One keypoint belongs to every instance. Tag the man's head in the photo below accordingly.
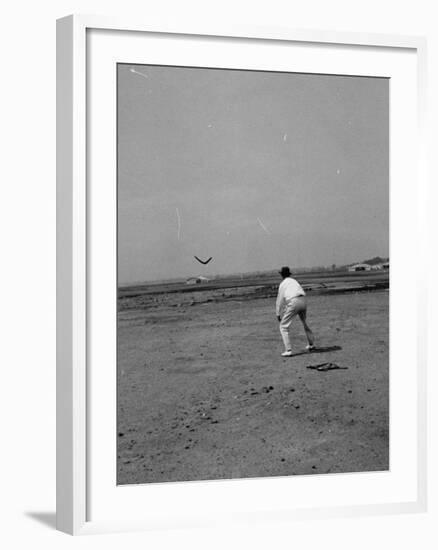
(285, 272)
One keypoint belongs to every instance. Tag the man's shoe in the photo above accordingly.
(310, 347)
(287, 353)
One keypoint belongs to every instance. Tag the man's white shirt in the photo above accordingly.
(289, 288)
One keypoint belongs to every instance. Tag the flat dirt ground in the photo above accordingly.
(203, 392)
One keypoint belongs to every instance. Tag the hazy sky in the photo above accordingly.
(256, 169)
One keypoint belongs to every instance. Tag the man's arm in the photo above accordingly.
(279, 302)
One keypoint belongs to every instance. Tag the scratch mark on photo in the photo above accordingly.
(139, 73)
(263, 226)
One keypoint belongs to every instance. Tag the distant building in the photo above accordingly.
(197, 280)
(359, 267)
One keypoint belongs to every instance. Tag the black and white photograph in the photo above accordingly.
(253, 274)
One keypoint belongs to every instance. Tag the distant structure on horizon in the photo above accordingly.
(369, 267)
(197, 280)
(360, 267)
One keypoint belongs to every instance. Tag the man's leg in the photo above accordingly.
(309, 334)
(285, 324)
(284, 331)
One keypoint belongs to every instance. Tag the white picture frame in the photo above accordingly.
(74, 215)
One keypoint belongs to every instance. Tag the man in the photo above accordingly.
(291, 301)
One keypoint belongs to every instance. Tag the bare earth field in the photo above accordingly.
(203, 392)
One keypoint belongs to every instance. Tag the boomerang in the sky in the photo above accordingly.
(206, 261)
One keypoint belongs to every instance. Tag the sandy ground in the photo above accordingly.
(203, 392)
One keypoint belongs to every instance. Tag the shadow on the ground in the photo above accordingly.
(317, 350)
(46, 518)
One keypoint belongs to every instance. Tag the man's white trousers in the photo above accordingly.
(293, 307)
